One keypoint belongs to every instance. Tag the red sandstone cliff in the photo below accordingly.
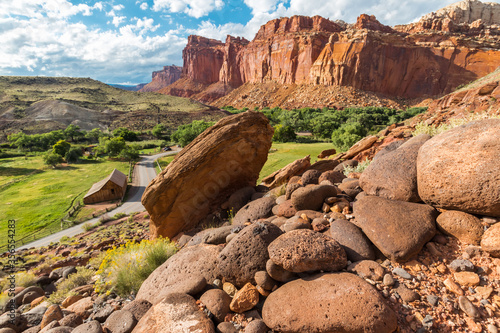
(428, 58)
(163, 78)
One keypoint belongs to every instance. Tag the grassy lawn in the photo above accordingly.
(164, 161)
(282, 154)
(38, 196)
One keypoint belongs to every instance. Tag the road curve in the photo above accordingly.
(145, 171)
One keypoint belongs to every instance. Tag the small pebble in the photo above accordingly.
(492, 328)
(402, 273)
(218, 283)
(388, 280)
(467, 307)
(462, 265)
(432, 299)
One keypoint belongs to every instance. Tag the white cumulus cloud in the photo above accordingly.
(194, 8)
(144, 6)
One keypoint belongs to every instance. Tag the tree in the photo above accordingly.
(187, 133)
(61, 147)
(125, 133)
(159, 131)
(347, 135)
(72, 133)
(130, 153)
(95, 134)
(52, 159)
(114, 146)
(284, 134)
(73, 155)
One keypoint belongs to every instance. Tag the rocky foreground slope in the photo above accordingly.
(453, 46)
(412, 244)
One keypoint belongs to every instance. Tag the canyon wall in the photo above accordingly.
(163, 78)
(427, 58)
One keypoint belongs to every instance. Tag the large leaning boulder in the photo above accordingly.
(330, 302)
(458, 169)
(394, 175)
(226, 157)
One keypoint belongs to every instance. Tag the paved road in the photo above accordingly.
(145, 171)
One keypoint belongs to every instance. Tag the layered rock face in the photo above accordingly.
(163, 78)
(413, 60)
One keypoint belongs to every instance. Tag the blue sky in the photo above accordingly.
(123, 41)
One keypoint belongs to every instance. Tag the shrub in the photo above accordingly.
(61, 147)
(119, 216)
(23, 279)
(52, 159)
(73, 155)
(423, 128)
(284, 133)
(82, 277)
(359, 168)
(123, 269)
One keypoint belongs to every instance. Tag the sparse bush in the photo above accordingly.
(119, 216)
(359, 168)
(23, 279)
(90, 226)
(82, 277)
(123, 269)
(423, 128)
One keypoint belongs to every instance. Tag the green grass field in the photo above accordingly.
(280, 155)
(37, 196)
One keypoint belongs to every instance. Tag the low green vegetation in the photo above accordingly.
(187, 133)
(82, 277)
(357, 169)
(123, 269)
(282, 154)
(342, 127)
(423, 128)
(38, 197)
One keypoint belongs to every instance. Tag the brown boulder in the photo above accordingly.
(121, 321)
(247, 253)
(367, 269)
(359, 146)
(217, 302)
(71, 320)
(324, 165)
(458, 169)
(180, 271)
(305, 250)
(356, 246)
(90, 327)
(467, 228)
(399, 229)
(226, 157)
(245, 299)
(491, 240)
(310, 177)
(332, 176)
(394, 175)
(138, 307)
(334, 302)
(282, 176)
(286, 209)
(19, 323)
(327, 152)
(255, 210)
(82, 307)
(312, 197)
(54, 312)
(175, 313)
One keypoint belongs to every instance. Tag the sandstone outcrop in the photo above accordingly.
(228, 156)
(413, 60)
(163, 78)
(473, 152)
